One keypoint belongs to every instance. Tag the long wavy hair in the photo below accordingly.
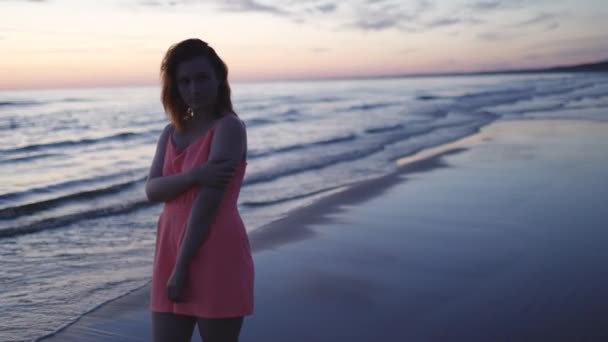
(175, 108)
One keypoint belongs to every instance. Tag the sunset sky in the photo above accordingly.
(77, 43)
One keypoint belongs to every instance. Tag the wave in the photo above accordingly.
(286, 115)
(254, 204)
(10, 125)
(539, 108)
(255, 107)
(595, 92)
(32, 208)
(563, 89)
(61, 221)
(65, 143)
(492, 98)
(338, 157)
(472, 101)
(383, 129)
(283, 98)
(328, 99)
(75, 99)
(13, 196)
(257, 122)
(370, 106)
(329, 157)
(550, 103)
(292, 99)
(428, 97)
(291, 148)
(290, 112)
(30, 158)
(19, 103)
(349, 137)
(91, 310)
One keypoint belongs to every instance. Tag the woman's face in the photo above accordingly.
(197, 83)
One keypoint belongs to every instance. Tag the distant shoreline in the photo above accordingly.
(587, 67)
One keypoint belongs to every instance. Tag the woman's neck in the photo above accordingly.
(202, 118)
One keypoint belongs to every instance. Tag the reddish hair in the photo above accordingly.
(170, 97)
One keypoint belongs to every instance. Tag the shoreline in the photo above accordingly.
(272, 235)
(303, 222)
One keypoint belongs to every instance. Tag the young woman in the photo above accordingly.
(203, 270)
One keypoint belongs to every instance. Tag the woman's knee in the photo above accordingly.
(220, 329)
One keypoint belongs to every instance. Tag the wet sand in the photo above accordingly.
(501, 237)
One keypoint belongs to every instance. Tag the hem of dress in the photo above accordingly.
(204, 315)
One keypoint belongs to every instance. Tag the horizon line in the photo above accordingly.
(602, 64)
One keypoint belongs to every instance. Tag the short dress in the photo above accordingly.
(220, 279)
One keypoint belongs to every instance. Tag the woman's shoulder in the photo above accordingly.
(229, 121)
(168, 128)
(166, 133)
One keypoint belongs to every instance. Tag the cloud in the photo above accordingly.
(443, 22)
(364, 15)
(326, 8)
(537, 19)
(150, 3)
(552, 26)
(383, 15)
(84, 50)
(250, 6)
(451, 21)
(377, 23)
(168, 3)
(485, 5)
(493, 36)
(495, 5)
(91, 34)
(378, 15)
(547, 21)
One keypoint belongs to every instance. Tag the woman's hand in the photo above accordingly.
(215, 174)
(176, 284)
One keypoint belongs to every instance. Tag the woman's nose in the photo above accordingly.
(195, 88)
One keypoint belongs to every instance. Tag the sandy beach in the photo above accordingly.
(500, 237)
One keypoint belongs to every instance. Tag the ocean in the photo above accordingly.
(76, 230)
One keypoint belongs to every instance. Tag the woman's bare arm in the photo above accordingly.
(163, 189)
(229, 143)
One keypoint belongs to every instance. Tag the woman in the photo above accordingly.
(203, 270)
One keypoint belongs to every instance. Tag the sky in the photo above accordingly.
(88, 43)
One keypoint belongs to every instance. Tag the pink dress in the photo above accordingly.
(221, 275)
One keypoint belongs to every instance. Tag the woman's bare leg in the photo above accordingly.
(220, 329)
(170, 327)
